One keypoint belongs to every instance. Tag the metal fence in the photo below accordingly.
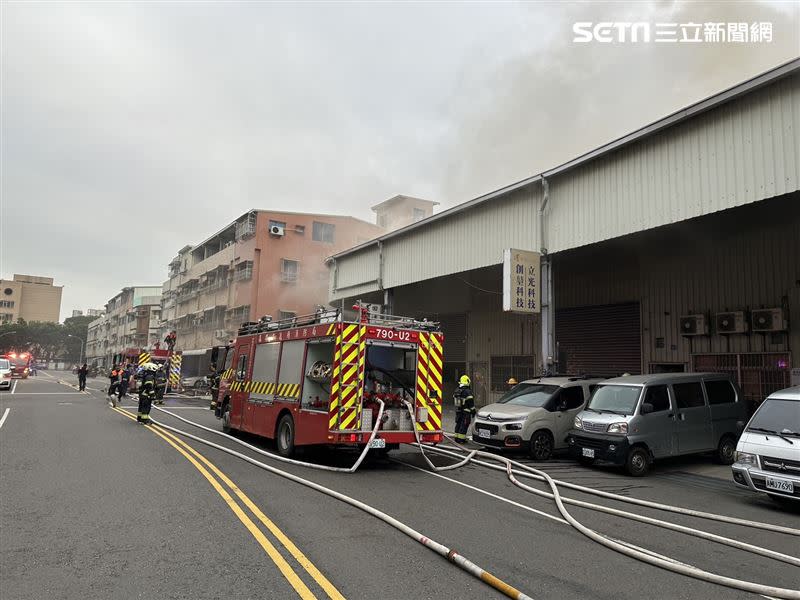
(757, 373)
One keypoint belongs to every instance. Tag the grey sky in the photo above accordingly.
(130, 130)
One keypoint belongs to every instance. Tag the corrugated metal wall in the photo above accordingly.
(741, 152)
(469, 240)
(740, 259)
(355, 274)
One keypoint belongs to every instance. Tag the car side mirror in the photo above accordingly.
(647, 408)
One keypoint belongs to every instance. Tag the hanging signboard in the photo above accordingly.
(521, 287)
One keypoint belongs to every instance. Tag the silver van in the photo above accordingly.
(635, 420)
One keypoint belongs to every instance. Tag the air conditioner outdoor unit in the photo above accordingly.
(768, 319)
(731, 322)
(276, 230)
(694, 325)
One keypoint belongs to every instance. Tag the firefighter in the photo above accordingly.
(113, 385)
(160, 385)
(147, 391)
(465, 408)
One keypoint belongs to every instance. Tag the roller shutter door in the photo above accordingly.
(599, 340)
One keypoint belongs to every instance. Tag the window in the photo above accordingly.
(289, 269)
(505, 367)
(6, 304)
(323, 232)
(244, 271)
(658, 396)
(241, 369)
(620, 399)
(688, 395)
(720, 392)
(8, 291)
(5, 318)
(286, 314)
(419, 214)
(571, 397)
(533, 395)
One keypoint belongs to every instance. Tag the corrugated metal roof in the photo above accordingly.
(679, 116)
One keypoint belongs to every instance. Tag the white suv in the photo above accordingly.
(535, 415)
(768, 453)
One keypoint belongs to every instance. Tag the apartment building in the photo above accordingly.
(131, 320)
(30, 298)
(263, 263)
(399, 211)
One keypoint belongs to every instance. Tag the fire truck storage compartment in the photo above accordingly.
(265, 368)
(317, 386)
(291, 368)
(391, 377)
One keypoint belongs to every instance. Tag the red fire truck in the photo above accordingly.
(316, 380)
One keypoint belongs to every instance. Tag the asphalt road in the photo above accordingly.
(96, 506)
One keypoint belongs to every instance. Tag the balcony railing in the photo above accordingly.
(243, 274)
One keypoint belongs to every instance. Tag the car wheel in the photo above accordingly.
(541, 445)
(284, 436)
(638, 462)
(726, 451)
(226, 419)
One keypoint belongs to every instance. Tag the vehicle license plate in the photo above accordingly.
(484, 433)
(378, 443)
(588, 452)
(781, 485)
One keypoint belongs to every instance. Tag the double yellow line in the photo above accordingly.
(285, 568)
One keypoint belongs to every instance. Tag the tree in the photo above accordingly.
(46, 341)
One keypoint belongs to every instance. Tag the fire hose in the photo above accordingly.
(641, 554)
(450, 554)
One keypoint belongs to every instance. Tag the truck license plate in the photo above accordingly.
(780, 485)
(484, 433)
(587, 452)
(378, 443)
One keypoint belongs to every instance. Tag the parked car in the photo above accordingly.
(198, 382)
(768, 453)
(634, 420)
(535, 414)
(5, 373)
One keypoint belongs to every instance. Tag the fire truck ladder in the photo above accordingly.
(350, 378)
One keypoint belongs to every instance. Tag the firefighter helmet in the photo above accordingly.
(512, 381)
(150, 366)
(465, 380)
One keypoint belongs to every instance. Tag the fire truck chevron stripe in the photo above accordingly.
(331, 328)
(175, 369)
(143, 358)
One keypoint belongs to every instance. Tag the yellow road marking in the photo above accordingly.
(287, 571)
(268, 523)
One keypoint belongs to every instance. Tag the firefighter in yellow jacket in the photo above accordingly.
(465, 408)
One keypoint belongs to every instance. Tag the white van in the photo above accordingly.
(768, 453)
